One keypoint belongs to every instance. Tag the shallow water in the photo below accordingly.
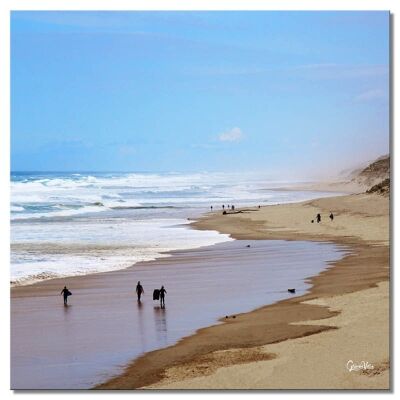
(104, 327)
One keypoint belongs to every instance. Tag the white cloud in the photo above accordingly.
(233, 135)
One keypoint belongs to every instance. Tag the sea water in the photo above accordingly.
(66, 224)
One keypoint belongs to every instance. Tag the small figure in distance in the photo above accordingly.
(162, 296)
(223, 206)
(331, 216)
(318, 218)
(232, 207)
(139, 291)
(211, 208)
(259, 206)
(65, 292)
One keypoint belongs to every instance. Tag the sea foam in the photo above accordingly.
(65, 224)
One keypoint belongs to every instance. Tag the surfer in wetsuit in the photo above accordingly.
(139, 291)
(65, 292)
(162, 296)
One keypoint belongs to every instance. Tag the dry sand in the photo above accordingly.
(303, 342)
(315, 362)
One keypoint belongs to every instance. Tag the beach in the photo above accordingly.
(339, 268)
(199, 199)
(308, 342)
(104, 327)
(99, 234)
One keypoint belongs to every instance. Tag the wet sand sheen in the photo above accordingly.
(104, 328)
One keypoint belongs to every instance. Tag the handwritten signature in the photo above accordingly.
(363, 365)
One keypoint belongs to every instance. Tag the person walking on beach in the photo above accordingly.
(162, 296)
(139, 291)
(65, 292)
(318, 218)
(331, 216)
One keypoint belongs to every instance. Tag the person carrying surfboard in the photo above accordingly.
(65, 292)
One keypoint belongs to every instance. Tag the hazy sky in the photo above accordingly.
(297, 92)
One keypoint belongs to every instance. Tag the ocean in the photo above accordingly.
(67, 224)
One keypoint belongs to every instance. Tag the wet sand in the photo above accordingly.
(104, 328)
(285, 344)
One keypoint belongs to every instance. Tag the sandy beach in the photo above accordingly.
(307, 342)
(237, 160)
(336, 315)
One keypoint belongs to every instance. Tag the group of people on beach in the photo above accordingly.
(157, 294)
(319, 219)
(139, 291)
(229, 207)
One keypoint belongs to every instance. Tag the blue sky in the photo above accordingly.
(287, 92)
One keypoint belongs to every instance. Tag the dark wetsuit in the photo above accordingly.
(65, 293)
(139, 291)
(162, 297)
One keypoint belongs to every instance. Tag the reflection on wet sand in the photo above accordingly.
(160, 323)
(141, 331)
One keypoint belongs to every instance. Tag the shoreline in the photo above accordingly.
(219, 347)
(104, 327)
(115, 255)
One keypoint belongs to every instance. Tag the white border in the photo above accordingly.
(326, 5)
(6, 6)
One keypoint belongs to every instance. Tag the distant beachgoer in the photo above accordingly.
(65, 292)
(331, 216)
(223, 206)
(139, 290)
(318, 218)
(162, 296)
(211, 208)
(232, 207)
(259, 206)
